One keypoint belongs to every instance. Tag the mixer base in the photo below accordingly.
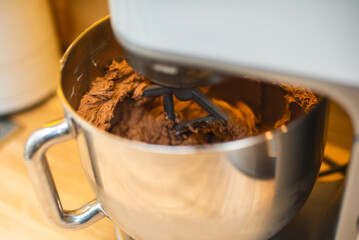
(317, 219)
(121, 235)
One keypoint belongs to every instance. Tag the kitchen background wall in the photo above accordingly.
(72, 17)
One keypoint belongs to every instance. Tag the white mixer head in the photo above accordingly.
(311, 39)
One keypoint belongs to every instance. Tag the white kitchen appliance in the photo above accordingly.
(313, 44)
(29, 54)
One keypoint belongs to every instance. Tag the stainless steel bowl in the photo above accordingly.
(245, 189)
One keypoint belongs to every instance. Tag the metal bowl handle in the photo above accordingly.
(36, 146)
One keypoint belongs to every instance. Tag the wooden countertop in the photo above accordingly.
(20, 212)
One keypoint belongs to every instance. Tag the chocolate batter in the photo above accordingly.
(115, 103)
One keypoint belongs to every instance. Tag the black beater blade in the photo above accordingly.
(185, 94)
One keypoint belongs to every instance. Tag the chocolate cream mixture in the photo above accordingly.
(115, 103)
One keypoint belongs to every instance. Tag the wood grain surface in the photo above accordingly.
(20, 212)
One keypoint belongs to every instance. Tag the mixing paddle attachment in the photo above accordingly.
(185, 94)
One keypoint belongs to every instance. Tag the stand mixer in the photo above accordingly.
(245, 189)
(311, 44)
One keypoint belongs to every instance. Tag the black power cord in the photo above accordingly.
(335, 168)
